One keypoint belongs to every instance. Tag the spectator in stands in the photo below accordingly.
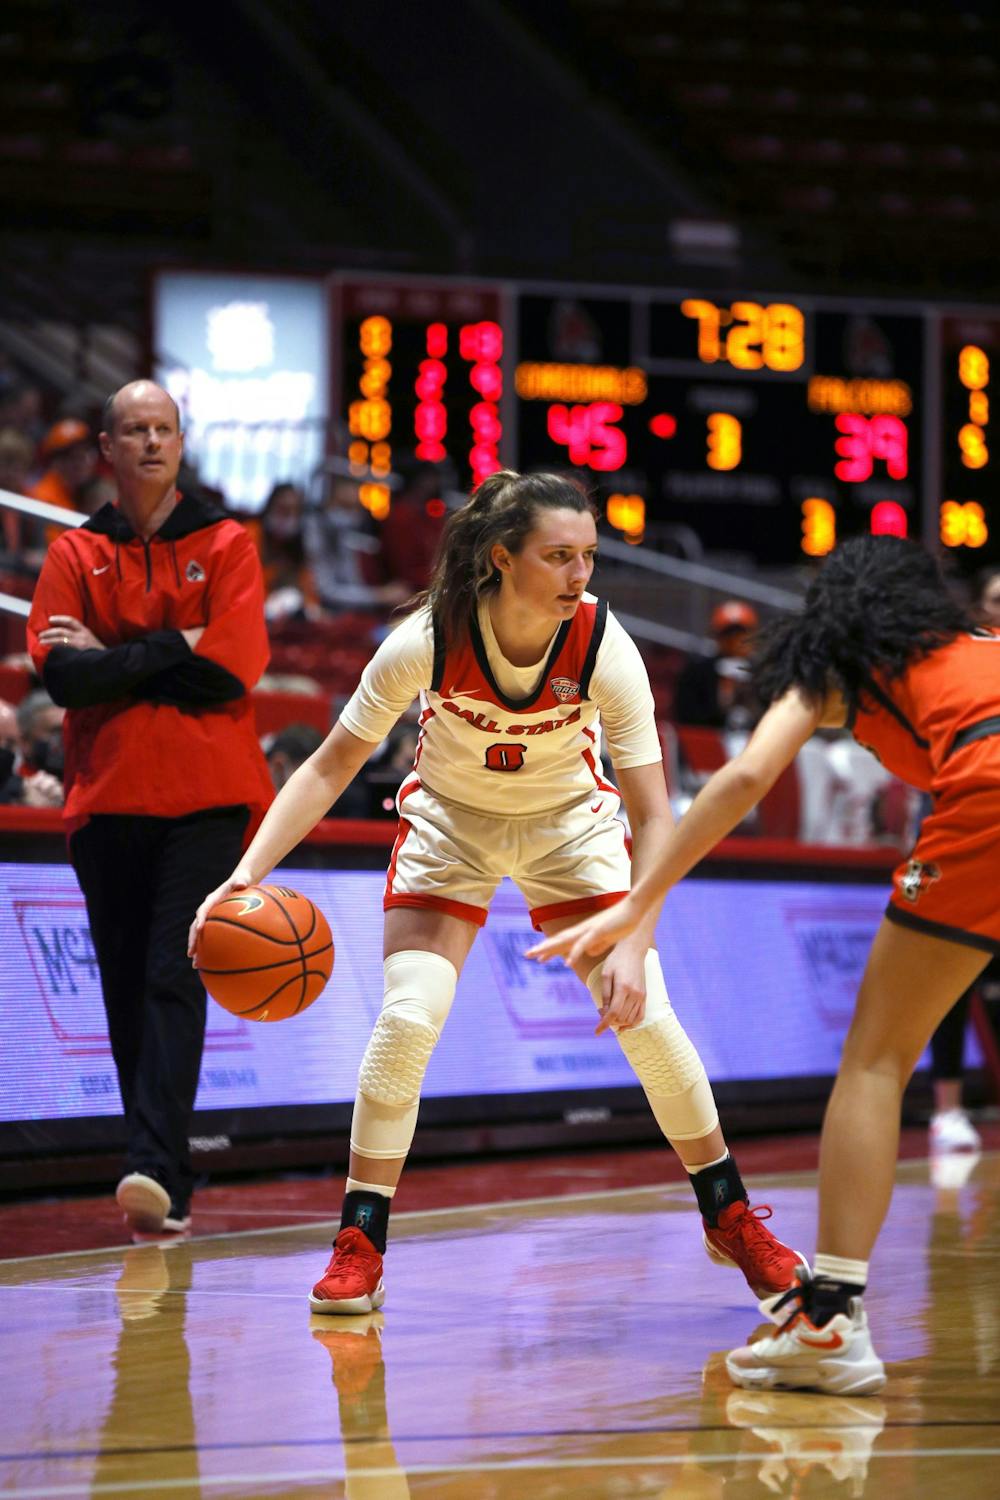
(68, 447)
(412, 529)
(291, 747)
(10, 783)
(389, 766)
(163, 769)
(40, 743)
(841, 787)
(287, 750)
(21, 408)
(31, 752)
(715, 691)
(342, 549)
(16, 454)
(279, 534)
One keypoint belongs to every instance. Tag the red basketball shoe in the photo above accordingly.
(352, 1282)
(740, 1239)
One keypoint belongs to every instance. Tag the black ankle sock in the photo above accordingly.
(368, 1212)
(826, 1298)
(716, 1188)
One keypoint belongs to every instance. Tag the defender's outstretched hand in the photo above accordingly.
(596, 935)
(238, 881)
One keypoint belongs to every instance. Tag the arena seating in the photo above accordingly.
(81, 145)
(855, 140)
(274, 711)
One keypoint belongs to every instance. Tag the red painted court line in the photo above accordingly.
(50, 1225)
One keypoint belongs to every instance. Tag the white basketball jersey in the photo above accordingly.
(513, 757)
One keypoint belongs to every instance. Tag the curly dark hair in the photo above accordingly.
(877, 604)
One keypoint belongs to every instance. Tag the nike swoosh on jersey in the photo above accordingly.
(97, 571)
(454, 692)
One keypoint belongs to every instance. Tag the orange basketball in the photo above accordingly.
(265, 953)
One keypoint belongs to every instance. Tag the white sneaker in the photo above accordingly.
(952, 1130)
(144, 1202)
(837, 1359)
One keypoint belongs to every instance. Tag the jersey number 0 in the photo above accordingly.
(504, 757)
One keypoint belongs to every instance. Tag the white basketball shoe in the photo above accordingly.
(952, 1130)
(837, 1358)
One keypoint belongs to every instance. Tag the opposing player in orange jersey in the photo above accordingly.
(519, 672)
(882, 648)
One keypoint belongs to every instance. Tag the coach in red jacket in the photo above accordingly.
(148, 625)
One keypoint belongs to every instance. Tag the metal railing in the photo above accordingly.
(695, 578)
(40, 510)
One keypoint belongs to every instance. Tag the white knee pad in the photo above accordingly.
(419, 989)
(665, 1061)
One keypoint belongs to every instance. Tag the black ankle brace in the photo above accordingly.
(716, 1188)
(368, 1212)
(826, 1298)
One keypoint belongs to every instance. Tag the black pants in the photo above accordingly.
(143, 879)
(948, 1042)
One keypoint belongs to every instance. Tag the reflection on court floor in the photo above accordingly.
(532, 1350)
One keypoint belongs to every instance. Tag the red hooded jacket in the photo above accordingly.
(154, 728)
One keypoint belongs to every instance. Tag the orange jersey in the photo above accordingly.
(938, 725)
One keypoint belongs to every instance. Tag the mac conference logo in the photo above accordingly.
(565, 689)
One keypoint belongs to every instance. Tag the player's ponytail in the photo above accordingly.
(503, 508)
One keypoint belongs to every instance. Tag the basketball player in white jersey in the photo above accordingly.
(519, 671)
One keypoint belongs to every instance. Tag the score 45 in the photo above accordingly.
(589, 434)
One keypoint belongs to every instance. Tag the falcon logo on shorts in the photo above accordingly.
(916, 878)
(194, 572)
(565, 689)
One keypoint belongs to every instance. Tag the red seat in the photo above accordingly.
(274, 711)
(778, 812)
(701, 748)
(15, 682)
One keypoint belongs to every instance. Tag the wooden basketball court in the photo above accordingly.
(527, 1350)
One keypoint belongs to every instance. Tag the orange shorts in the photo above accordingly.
(949, 886)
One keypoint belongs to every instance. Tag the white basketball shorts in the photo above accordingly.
(566, 863)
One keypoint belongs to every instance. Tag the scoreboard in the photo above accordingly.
(767, 424)
(421, 371)
(969, 477)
